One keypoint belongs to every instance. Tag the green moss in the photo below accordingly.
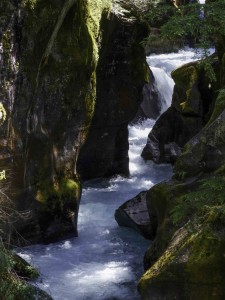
(95, 11)
(192, 265)
(69, 187)
(22, 268)
(186, 75)
(187, 98)
(158, 197)
(60, 192)
(187, 258)
(218, 107)
(6, 43)
(14, 272)
(72, 55)
(206, 198)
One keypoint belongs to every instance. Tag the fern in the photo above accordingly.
(210, 196)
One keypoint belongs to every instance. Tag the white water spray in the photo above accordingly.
(162, 65)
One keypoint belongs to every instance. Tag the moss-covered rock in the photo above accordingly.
(60, 62)
(15, 274)
(204, 152)
(56, 100)
(186, 259)
(121, 74)
(191, 267)
(192, 105)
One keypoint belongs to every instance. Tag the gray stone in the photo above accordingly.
(134, 214)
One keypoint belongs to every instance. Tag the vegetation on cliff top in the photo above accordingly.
(194, 24)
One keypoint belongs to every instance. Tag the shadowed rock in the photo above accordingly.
(134, 214)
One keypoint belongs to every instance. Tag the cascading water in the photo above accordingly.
(105, 261)
(162, 65)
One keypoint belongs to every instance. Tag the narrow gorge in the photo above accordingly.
(93, 138)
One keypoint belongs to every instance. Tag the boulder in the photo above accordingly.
(134, 214)
(151, 104)
(169, 134)
(191, 107)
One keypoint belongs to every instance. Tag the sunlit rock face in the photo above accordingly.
(61, 61)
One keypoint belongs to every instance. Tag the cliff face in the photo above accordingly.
(59, 65)
(186, 256)
(120, 76)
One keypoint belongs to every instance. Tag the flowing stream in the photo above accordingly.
(105, 261)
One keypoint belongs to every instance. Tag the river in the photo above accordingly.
(105, 261)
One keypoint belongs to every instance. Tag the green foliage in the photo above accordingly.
(208, 200)
(188, 21)
(203, 26)
(157, 14)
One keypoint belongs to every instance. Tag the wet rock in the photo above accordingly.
(169, 134)
(189, 112)
(134, 214)
(151, 104)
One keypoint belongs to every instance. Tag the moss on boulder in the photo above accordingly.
(205, 151)
(15, 274)
(186, 259)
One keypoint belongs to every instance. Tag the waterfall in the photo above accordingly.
(162, 65)
(105, 261)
